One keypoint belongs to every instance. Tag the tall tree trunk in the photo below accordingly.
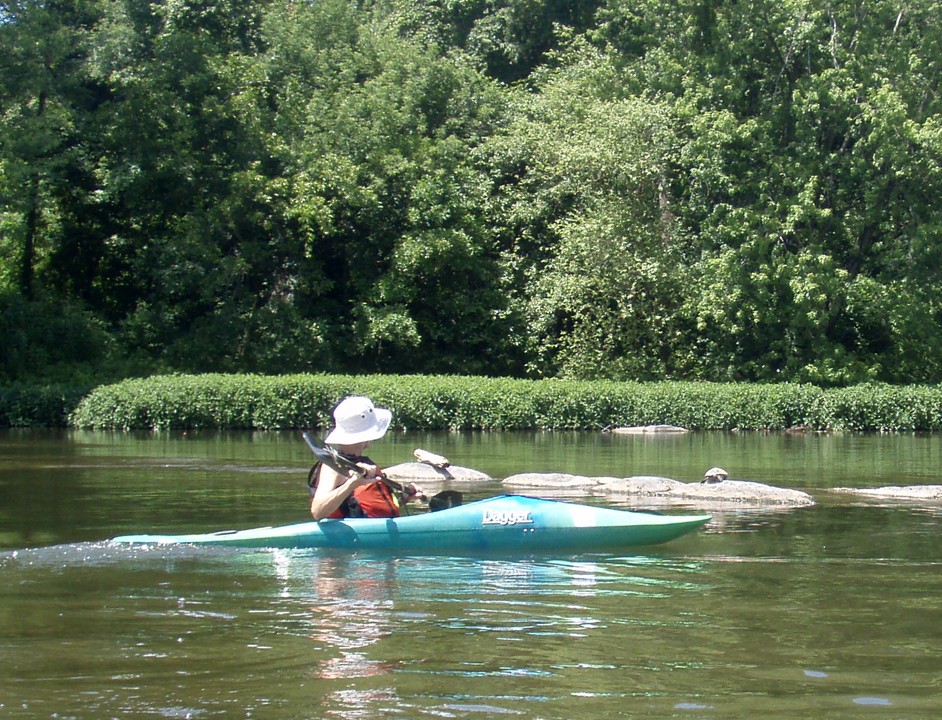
(27, 270)
(28, 258)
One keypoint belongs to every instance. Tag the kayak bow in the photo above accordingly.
(506, 522)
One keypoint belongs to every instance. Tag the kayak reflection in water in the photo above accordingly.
(357, 423)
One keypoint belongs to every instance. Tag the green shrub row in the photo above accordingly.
(467, 403)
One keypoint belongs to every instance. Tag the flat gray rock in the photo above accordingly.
(727, 492)
(423, 472)
(561, 481)
(648, 430)
(897, 492)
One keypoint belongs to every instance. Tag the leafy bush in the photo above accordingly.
(442, 402)
(877, 407)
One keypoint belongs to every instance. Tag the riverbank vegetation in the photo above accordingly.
(649, 190)
(257, 402)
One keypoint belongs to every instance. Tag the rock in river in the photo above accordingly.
(897, 492)
(648, 430)
(736, 492)
(423, 472)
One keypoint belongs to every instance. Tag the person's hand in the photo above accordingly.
(370, 472)
(413, 492)
(363, 475)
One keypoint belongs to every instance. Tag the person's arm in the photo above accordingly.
(333, 489)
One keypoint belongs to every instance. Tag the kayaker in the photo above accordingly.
(357, 423)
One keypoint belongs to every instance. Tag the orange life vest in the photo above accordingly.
(375, 500)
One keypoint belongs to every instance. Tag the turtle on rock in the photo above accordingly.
(714, 475)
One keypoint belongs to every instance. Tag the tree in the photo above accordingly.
(599, 259)
(645, 189)
(508, 39)
(399, 262)
(44, 96)
(805, 168)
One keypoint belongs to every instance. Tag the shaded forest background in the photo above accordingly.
(623, 189)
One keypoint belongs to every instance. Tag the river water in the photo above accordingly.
(832, 611)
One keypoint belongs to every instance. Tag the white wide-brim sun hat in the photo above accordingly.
(356, 420)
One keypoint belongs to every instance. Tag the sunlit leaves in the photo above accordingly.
(630, 189)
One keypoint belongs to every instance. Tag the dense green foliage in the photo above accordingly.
(611, 189)
(472, 403)
(47, 406)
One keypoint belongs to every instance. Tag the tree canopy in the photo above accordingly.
(654, 189)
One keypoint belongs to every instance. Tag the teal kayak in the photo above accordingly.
(506, 522)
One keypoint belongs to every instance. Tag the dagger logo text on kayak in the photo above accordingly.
(506, 517)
